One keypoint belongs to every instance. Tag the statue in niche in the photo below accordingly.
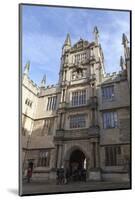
(73, 76)
(78, 71)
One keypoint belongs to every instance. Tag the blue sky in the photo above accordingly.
(44, 30)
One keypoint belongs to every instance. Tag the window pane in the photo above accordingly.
(111, 156)
(109, 120)
(77, 121)
(48, 103)
(51, 104)
(115, 119)
(108, 92)
(79, 98)
(44, 158)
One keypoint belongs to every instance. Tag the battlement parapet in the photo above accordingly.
(49, 90)
(51, 86)
(27, 82)
(115, 76)
(34, 85)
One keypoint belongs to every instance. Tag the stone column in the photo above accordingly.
(97, 154)
(93, 117)
(62, 75)
(65, 75)
(63, 120)
(59, 156)
(63, 95)
(91, 156)
(60, 120)
(94, 171)
(56, 155)
(94, 154)
(96, 117)
(53, 162)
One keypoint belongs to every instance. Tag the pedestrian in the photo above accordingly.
(62, 178)
(29, 174)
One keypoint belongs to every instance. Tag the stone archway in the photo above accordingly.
(76, 160)
(73, 148)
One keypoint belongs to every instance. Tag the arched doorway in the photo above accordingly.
(77, 165)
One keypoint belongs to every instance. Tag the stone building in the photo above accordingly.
(84, 120)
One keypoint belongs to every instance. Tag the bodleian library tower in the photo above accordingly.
(81, 122)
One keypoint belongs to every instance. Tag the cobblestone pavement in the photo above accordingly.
(44, 187)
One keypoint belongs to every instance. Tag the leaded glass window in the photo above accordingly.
(110, 120)
(79, 98)
(52, 101)
(44, 158)
(78, 121)
(108, 92)
(112, 155)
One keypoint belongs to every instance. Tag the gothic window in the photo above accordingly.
(52, 101)
(84, 73)
(63, 95)
(80, 74)
(79, 98)
(78, 121)
(112, 155)
(66, 58)
(28, 102)
(108, 92)
(83, 56)
(73, 76)
(44, 158)
(110, 120)
(48, 104)
(91, 52)
(48, 126)
(80, 57)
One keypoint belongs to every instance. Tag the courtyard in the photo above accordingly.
(51, 187)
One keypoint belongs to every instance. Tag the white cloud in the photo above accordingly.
(112, 42)
(44, 50)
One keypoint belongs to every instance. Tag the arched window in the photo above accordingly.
(44, 158)
(73, 75)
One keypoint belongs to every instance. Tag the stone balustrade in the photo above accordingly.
(86, 133)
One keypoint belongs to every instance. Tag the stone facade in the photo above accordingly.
(87, 113)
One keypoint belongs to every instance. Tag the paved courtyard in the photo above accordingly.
(44, 187)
